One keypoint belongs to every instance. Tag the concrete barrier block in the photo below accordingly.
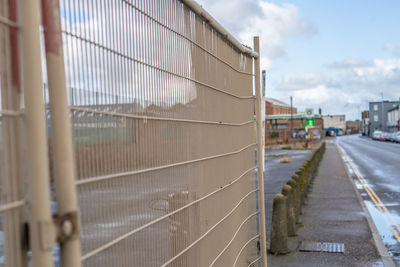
(279, 236)
(301, 182)
(296, 198)
(287, 191)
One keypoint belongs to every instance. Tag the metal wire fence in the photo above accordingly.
(162, 111)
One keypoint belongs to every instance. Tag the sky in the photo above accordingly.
(336, 55)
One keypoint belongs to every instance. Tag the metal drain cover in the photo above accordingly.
(308, 246)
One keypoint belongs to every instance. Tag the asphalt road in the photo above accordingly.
(375, 166)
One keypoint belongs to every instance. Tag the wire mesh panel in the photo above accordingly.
(12, 198)
(162, 113)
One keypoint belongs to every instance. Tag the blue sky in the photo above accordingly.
(337, 55)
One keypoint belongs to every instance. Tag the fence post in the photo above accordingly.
(260, 153)
(12, 183)
(41, 232)
(62, 137)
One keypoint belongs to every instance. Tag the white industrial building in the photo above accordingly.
(335, 122)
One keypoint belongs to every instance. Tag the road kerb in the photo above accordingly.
(382, 250)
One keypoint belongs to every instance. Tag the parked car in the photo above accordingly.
(396, 137)
(316, 134)
(377, 135)
(330, 133)
(301, 134)
(383, 136)
(388, 137)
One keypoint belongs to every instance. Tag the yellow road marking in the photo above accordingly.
(385, 209)
(375, 199)
(382, 208)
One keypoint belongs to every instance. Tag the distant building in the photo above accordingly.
(284, 127)
(353, 127)
(393, 122)
(274, 106)
(378, 114)
(336, 123)
(365, 122)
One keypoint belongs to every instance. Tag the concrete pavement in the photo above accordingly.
(333, 213)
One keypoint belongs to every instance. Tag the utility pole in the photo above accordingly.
(264, 74)
(383, 119)
(291, 117)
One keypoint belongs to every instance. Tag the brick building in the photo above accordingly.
(274, 107)
(281, 126)
(353, 127)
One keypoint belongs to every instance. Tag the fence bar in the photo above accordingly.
(234, 236)
(8, 22)
(260, 153)
(119, 175)
(61, 135)
(244, 246)
(12, 205)
(251, 263)
(6, 112)
(41, 234)
(126, 115)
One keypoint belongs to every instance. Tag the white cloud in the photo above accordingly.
(345, 89)
(382, 76)
(301, 80)
(351, 63)
(393, 48)
(330, 100)
(246, 19)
